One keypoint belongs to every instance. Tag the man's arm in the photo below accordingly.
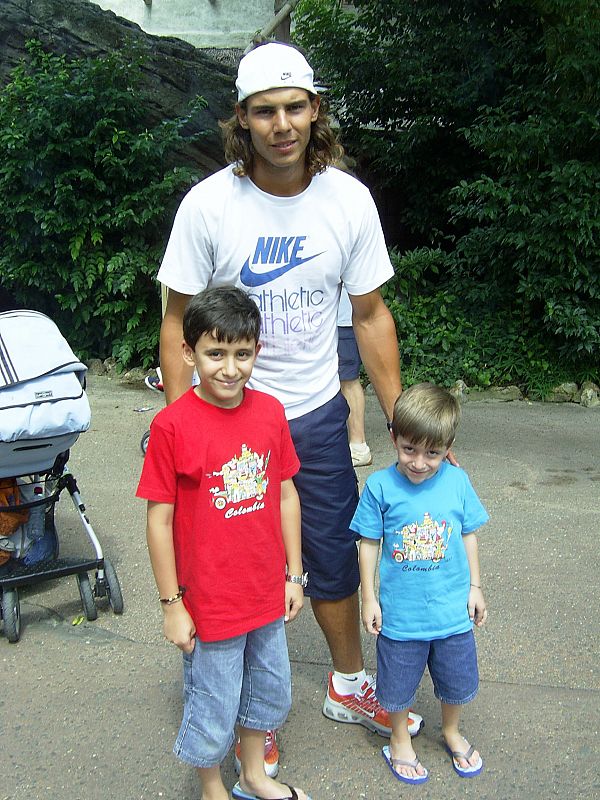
(378, 345)
(176, 375)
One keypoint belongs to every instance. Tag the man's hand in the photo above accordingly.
(452, 458)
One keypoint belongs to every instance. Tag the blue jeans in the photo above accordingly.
(452, 664)
(244, 680)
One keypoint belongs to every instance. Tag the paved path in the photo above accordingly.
(90, 711)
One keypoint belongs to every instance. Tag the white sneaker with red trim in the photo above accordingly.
(154, 382)
(363, 708)
(271, 755)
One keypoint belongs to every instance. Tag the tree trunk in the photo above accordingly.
(282, 31)
(175, 71)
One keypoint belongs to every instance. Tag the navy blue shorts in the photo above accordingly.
(348, 355)
(452, 664)
(328, 491)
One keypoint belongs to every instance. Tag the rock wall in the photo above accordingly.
(203, 23)
(175, 73)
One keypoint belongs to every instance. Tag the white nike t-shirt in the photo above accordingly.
(344, 316)
(290, 254)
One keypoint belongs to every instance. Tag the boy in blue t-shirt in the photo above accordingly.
(430, 596)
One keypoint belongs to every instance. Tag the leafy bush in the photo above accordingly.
(88, 194)
(404, 77)
(447, 330)
(484, 118)
(437, 341)
(533, 218)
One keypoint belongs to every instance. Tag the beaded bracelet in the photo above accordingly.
(168, 601)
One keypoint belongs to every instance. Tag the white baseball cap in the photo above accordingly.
(273, 66)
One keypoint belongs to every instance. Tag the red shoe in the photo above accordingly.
(154, 382)
(363, 708)
(271, 755)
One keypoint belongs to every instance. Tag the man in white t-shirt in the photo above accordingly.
(284, 225)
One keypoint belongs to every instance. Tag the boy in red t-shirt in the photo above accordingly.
(223, 530)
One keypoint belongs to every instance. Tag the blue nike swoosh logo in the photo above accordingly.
(250, 278)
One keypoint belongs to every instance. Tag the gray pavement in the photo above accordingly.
(91, 710)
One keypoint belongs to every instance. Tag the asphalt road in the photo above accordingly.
(91, 710)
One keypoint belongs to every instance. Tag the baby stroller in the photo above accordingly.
(43, 409)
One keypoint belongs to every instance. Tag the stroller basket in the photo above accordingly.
(43, 409)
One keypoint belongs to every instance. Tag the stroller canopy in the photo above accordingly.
(41, 380)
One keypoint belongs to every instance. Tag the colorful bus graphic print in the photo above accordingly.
(244, 478)
(422, 541)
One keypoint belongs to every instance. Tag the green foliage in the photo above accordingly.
(404, 77)
(533, 219)
(485, 119)
(88, 194)
(435, 340)
(451, 329)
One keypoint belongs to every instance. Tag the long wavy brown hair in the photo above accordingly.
(323, 147)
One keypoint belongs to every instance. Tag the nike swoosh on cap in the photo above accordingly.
(250, 278)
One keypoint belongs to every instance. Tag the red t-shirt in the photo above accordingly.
(222, 469)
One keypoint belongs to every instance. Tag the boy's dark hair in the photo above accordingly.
(426, 415)
(224, 311)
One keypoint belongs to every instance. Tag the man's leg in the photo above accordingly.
(355, 397)
(349, 372)
(359, 449)
(339, 621)
(328, 492)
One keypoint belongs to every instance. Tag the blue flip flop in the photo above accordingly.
(399, 762)
(239, 794)
(465, 772)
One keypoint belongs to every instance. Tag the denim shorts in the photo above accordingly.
(328, 492)
(452, 664)
(244, 680)
(348, 355)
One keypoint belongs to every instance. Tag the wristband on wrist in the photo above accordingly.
(389, 426)
(301, 580)
(176, 598)
(476, 586)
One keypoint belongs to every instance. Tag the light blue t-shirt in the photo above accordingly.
(424, 572)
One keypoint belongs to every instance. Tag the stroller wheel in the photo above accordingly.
(87, 596)
(115, 596)
(11, 614)
(144, 442)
